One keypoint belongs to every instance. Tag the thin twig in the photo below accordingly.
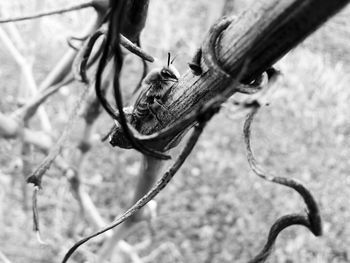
(29, 109)
(167, 247)
(36, 225)
(48, 13)
(3, 258)
(87, 207)
(130, 251)
(135, 49)
(36, 176)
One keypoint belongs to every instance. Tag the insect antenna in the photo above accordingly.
(169, 59)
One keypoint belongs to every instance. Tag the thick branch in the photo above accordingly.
(258, 38)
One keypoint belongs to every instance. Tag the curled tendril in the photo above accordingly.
(80, 63)
(312, 218)
(112, 46)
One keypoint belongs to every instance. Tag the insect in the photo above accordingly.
(154, 87)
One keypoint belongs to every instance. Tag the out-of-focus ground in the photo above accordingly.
(215, 207)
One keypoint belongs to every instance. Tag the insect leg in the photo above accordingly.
(159, 103)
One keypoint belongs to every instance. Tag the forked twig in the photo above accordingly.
(161, 183)
(312, 218)
(36, 176)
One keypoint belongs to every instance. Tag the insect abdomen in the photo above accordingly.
(141, 110)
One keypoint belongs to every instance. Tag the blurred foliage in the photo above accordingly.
(215, 209)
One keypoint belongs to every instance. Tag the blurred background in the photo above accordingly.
(215, 209)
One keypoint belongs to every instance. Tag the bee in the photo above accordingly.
(153, 89)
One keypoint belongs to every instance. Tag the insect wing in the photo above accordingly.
(142, 96)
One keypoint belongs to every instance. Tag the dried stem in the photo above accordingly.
(135, 49)
(130, 251)
(26, 168)
(36, 226)
(3, 258)
(36, 176)
(48, 13)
